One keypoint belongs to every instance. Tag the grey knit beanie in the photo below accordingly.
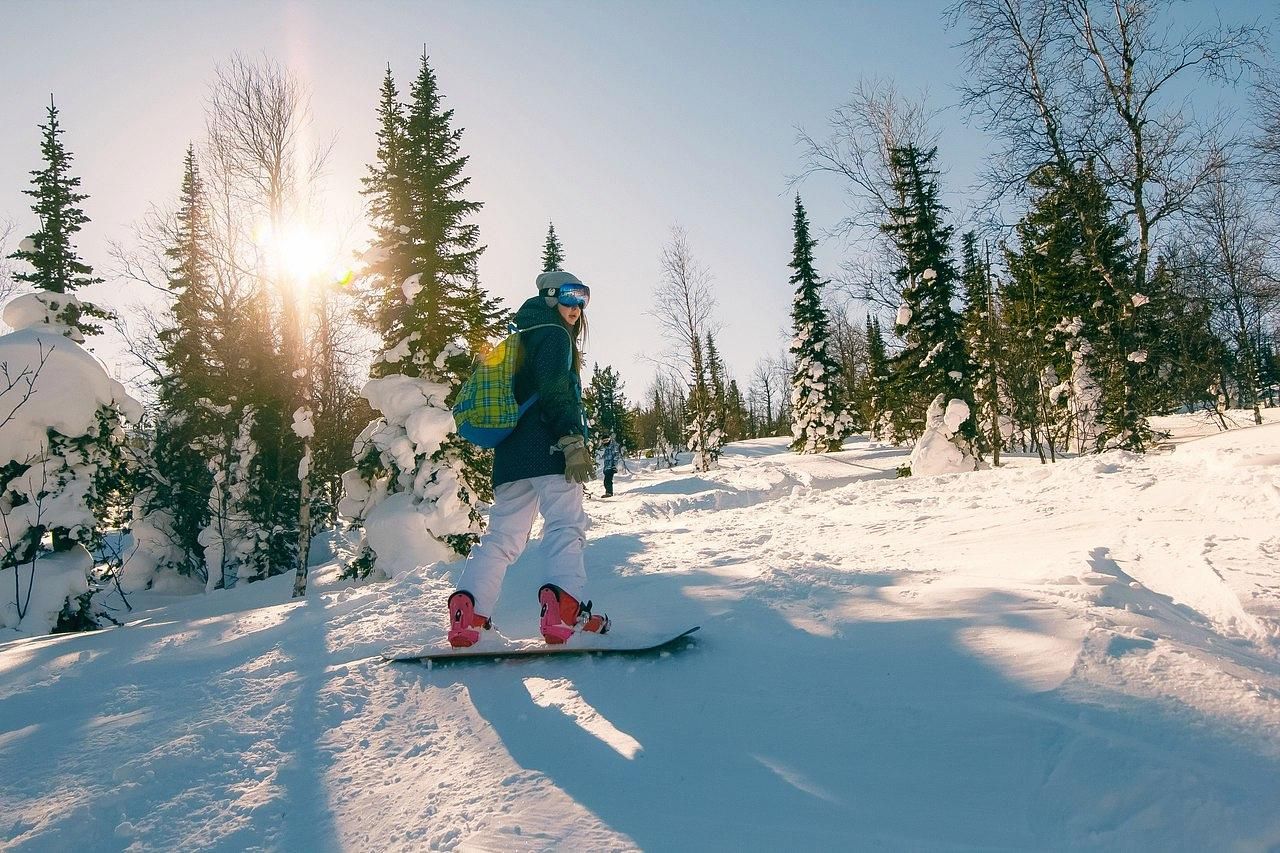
(549, 282)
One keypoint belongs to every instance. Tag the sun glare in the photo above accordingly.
(297, 250)
(302, 254)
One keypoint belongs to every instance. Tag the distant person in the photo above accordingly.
(540, 467)
(609, 462)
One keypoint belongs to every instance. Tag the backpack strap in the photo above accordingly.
(559, 326)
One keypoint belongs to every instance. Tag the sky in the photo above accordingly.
(614, 120)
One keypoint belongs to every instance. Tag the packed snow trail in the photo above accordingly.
(1080, 655)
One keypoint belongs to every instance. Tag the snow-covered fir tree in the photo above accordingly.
(982, 341)
(718, 387)
(55, 265)
(819, 422)
(933, 360)
(552, 251)
(609, 413)
(735, 414)
(704, 437)
(231, 538)
(62, 466)
(1122, 315)
(417, 486)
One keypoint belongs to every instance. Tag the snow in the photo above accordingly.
(52, 394)
(940, 450)
(68, 386)
(41, 590)
(411, 286)
(148, 550)
(407, 522)
(397, 532)
(303, 426)
(1067, 656)
(904, 316)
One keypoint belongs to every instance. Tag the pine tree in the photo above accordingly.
(818, 425)
(429, 307)
(705, 437)
(1184, 355)
(56, 267)
(877, 398)
(272, 498)
(736, 418)
(188, 424)
(610, 412)
(717, 393)
(1122, 319)
(933, 362)
(982, 339)
(552, 251)
(1072, 329)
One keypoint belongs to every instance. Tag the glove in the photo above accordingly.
(578, 466)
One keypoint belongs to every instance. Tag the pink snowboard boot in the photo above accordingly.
(562, 614)
(463, 620)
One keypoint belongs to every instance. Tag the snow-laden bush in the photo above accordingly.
(403, 495)
(61, 429)
(943, 449)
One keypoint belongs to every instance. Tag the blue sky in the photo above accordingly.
(615, 120)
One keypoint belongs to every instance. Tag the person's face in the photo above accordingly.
(570, 313)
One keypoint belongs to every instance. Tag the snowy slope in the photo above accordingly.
(1081, 655)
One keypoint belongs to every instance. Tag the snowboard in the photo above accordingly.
(580, 644)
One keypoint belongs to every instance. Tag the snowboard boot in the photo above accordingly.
(562, 614)
(463, 620)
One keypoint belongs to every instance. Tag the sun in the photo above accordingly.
(302, 253)
(297, 251)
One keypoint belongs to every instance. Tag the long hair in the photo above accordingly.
(579, 340)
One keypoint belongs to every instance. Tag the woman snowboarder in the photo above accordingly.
(540, 467)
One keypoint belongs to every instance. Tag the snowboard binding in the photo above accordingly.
(562, 615)
(464, 621)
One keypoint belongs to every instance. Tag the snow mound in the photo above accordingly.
(1251, 447)
(58, 385)
(42, 589)
(397, 531)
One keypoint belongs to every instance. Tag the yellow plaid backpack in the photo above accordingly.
(486, 410)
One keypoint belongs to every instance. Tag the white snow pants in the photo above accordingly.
(564, 531)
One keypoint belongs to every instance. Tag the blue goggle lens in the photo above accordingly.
(573, 295)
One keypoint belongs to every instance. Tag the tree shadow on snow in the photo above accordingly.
(152, 749)
(764, 735)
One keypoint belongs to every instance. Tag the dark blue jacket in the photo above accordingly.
(545, 369)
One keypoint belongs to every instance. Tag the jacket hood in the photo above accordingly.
(535, 311)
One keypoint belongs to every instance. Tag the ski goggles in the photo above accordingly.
(573, 295)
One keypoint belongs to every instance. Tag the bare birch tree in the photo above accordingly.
(260, 132)
(8, 287)
(1266, 142)
(764, 394)
(1231, 241)
(683, 307)
(1091, 87)
(861, 133)
(1066, 83)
